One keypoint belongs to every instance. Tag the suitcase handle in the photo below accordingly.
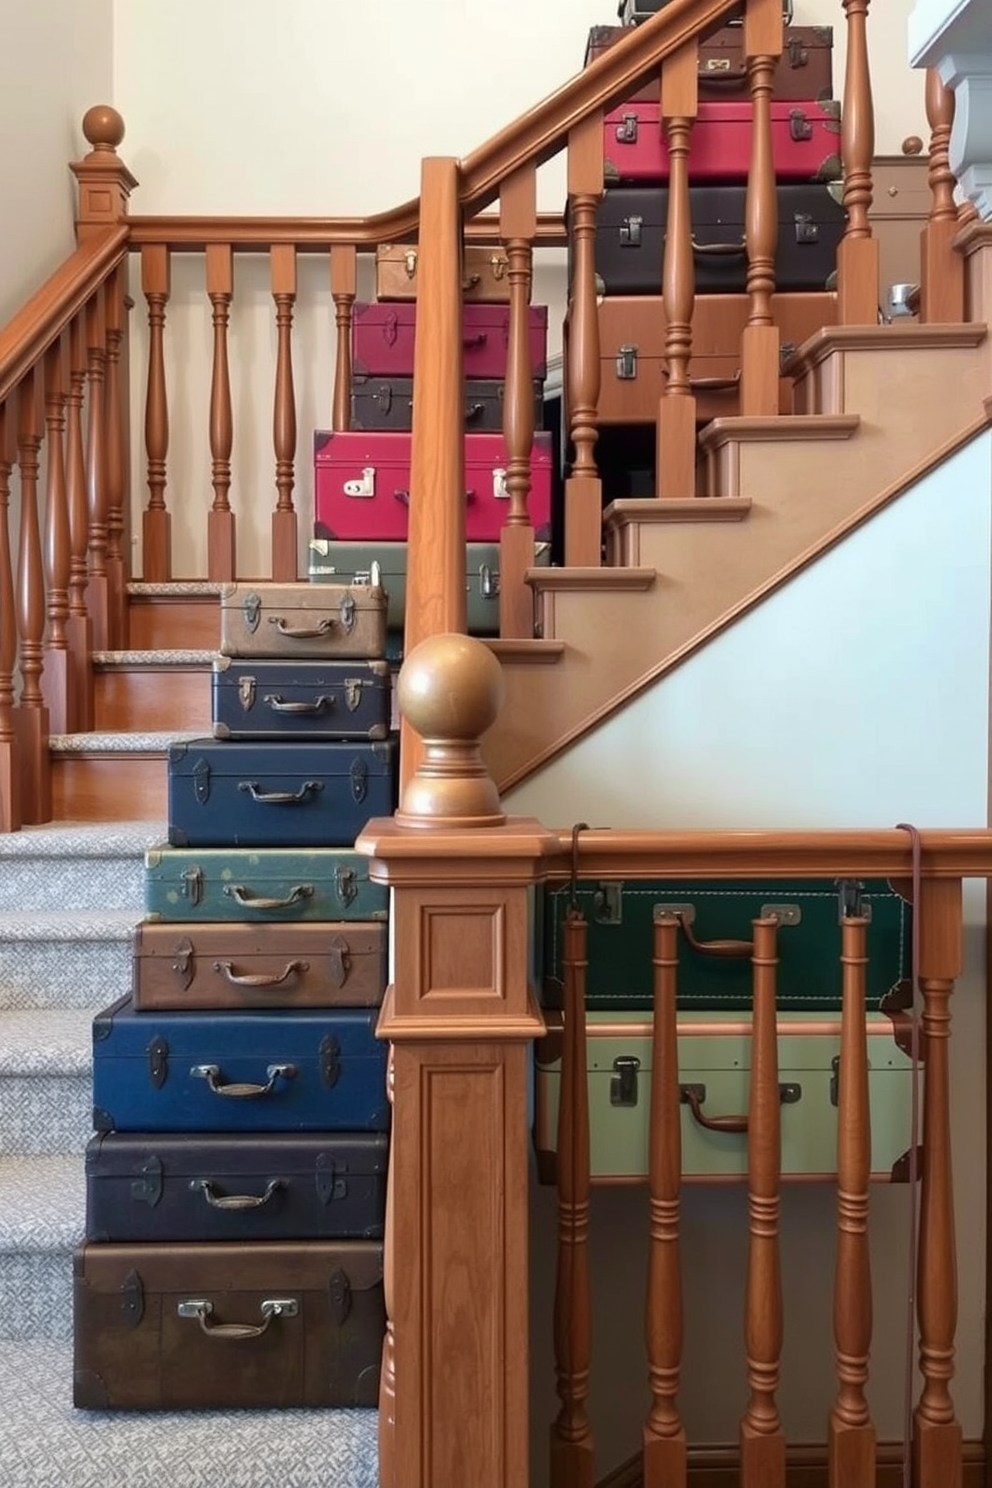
(717, 250)
(723, 948)
(722, 74)
(246, 898)
(403, 497)
(307, 710)
(479, 339)
(259, 979)
(694, 1095)
(307, 634)
(242, 1091)
(280, 798)
(200, 1309)
(234, 1201)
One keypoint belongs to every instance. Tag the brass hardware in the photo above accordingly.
(499, 265)
(365, 486)
(410, 262)
(607, 904)
(630, 232)
(626, 131)
(807, 231)
(184, 964)
(684, 912)
(192, 881)
(246, 693)
(252, 609)
(623, 1082)
(626, 366)
(785, 914)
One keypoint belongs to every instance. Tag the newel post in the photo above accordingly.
(460, 1016)
(105, 183)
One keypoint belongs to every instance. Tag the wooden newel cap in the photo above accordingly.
(103, 127)
(450, 691)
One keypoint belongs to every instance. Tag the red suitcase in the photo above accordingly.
(382, 339)
(361, 485)
(805, 142)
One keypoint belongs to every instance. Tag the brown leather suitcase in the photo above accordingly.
(215, 1325)
(804, 71)
(251, 965)
(632, 351)
(484, 273)
(269, 619)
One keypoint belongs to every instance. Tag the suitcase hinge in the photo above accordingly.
(359, 780)
(623, 1083)
(807, 231)
(148, 1188)
(607, 904)
(800, 127)
(626, 363)
(340, 959)
(339, 1292)
(252, 608)
(329, 1056)
(500, 492)
(329, 1184)
(488, 582)
(246, 693)
(383, 397)
(626, 130)
(363, 487)
(346, 613)
(192, 881)
(132, 1296)
(352, 693)
(345, 885)
(184, 964)
(201, 781)
(851, 901)
(630, 232)
(410, 262)
(798, 55)
(158, 1061)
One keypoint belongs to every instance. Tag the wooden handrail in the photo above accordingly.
(317, 234)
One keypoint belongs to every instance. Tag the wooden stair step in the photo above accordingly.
(623, 520)
(112, 776)
(182, 613)
(149, 691)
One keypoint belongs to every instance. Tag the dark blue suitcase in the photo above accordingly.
(298, 1070)
(266, 883)
(232, 793)
(300, 699)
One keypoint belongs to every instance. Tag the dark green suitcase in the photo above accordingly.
(261, 883)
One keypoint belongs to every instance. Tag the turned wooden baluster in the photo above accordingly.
(58, 677)
(344, 287)
(760, 342)
(97, 597)
(282, 260)
(117, 561)
(676, 429)
(156, 521)
(32, 715)
(10, 780)
(857, 256)
(571, 1433)
(517, 226)
(79, 631)
(762, 1441)
(937, 1432)
(221, 543)
(387, 1373)
(664, 1449)
(583, 488)
(941, 269)
(851, 1437)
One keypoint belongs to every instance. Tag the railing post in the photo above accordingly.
(760, 344)
(344, 287)
(31, 717)
(583, 488)
(118, 515)
(285, 563)
(157, 521)
(460, 1016)
(58, 677)
(97, 595)
(941, 268)
(221, 526)
(518, 224)
(79, 631)
(10, 786)
(105, 182)
(676, 429)
(857, 256)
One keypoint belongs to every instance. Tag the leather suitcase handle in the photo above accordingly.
(242, 1090)
(738, 949)
(310, 633)
(304, 710)
(690, 1096)
(245, 897)
(479, 339)
(280, 798)
(403, 497)
(259, 979)
(719, 250)
(200, 1309)
(234, 1201)
(722, 74)
(711, 384)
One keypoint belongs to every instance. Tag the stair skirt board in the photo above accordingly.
(46, 1443)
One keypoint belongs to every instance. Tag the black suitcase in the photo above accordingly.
(387, 403)
(300, 699)
(308, 1186)
(632, 11)
(632, 223)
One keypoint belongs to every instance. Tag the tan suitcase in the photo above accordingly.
(484, 273)
(299, 620)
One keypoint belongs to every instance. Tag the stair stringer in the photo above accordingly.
(805, 497)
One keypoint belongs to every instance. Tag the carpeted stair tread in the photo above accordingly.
(156, 742)
(68, 924)
(171, 658)
(66, 839)
(45, 1443)
(42, 1203)
(42, 1041)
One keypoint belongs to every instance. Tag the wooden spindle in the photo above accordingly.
(518, 224)
(762, 1441)
(760, 342)
(10, 781)
(57, 677)
(583, 488)
(32, 715)
(387, 1376)
(664, 1448)
(118, 518)
(282, 262)
(937, 1432)
(157, 521)
(857, 256)
(851, 1437)
(571, 1433)
(97, 597)
(221, 538)
(344, 287)
(79, 631)
(675, 460)
(942, 277)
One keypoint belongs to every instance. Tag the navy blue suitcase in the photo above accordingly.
(233, 793)
(300, 699)
(158, 1186)
(296, 1070)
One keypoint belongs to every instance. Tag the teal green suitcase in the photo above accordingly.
(261, 883)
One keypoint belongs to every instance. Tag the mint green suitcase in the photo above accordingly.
(261, 883)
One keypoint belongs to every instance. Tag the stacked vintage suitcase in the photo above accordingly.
(362, 475)
(632, 223)
(236, 1181)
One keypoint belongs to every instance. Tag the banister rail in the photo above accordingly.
(314, 234)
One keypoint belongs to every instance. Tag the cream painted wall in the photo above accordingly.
(57, 60)
(856, 696)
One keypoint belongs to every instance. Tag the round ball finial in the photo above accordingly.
(912, 145)
(103, 127)
(450, 691)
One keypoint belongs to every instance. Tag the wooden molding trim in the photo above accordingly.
(743, 429)
(651, 509)
(532, 652)
(875, 337)
(591, 580)
(806, 1467)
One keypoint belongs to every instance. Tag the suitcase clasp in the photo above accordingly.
(626, 363)
(246, 693)
(329, 1057)
(359, 780)
(607, 904)
(345, 885)
(132, 1296)
(184, 964)
(410, 262)
(488, 582)
(252, 608)
(329, 1184)
(148, 1188)
(807, 231)
(352, 693)
(626, 130)
(800, 127)
(499, 265)
(500, 491)
(364, 487)
(158, 1061)
(383, 397)
(346, 613)
(798, 55)
(630, 232)
(192, 881)
(201, 781)
(717, 64)
(623, 1084)
(340, 959)
(339, 1291)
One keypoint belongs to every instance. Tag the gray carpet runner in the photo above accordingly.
(69, 898)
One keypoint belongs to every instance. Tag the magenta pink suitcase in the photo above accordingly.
(382, 339)
(805, 142)
(361, 485)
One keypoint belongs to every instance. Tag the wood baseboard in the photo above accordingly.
(718, 1467)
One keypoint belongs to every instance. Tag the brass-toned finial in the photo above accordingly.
(103, 127)
(912, 145)
(450, 691)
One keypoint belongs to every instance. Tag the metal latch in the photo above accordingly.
(499, 265)
(359, 775)
(246, 693)
(383, 397)
(363, 487)
(346, 613)
(623, 1083)
(851, 901)
(798, 55)
(500, 491)
(835, 1080)
(345, 885)
(158, 1061)
(184, 962)
(607, 904)
(329, 1058)
(192, 880)
(252, 608)
(488, 582)
(339, 1295)
(785, 914)
(352, 693)
(626, 130)
(410, 262)
(717, 64)
(630, 232)
(147, 1189)
(626, 363)
(800, 127)
(329, 1184)
(807, 231)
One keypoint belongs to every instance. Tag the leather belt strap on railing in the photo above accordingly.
(914, 1137)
